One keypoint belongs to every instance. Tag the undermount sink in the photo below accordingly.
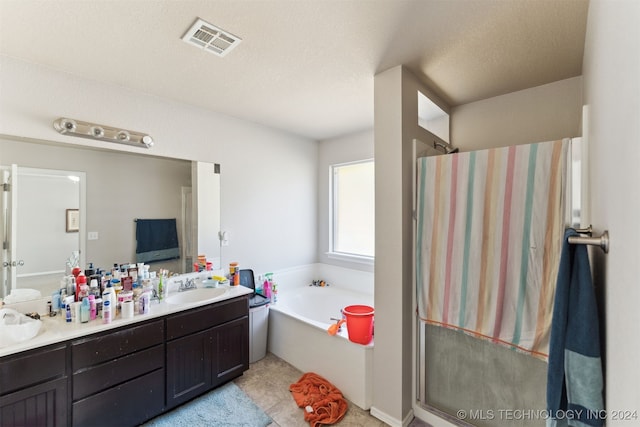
(196, 295)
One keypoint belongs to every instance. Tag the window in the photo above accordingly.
(433, 118)
(352, 211)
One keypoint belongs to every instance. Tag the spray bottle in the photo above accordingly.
(266, 287)
(268, 283)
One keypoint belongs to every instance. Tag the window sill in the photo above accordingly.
(360, 259)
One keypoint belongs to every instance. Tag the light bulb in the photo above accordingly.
(65, 125)
(96, 131)
(147, 141)
(123, 135)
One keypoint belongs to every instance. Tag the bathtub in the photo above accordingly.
(299, 320)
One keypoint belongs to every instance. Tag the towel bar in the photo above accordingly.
(602, 241)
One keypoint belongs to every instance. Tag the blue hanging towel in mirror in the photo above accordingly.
(156, 240)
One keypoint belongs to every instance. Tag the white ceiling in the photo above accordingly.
(304, 66)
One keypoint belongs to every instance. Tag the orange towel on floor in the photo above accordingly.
(321, 401)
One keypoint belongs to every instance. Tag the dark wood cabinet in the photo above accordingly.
(127, 404)
(231, 353)
(39, 405)
(207, 347)
(188, 367)
(128, 375)
(114, 372)
(34, 388)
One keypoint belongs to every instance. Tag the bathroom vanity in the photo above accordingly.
(126, 372)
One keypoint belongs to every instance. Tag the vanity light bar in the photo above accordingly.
(104, 133)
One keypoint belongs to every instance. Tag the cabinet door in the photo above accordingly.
(231, 350)
(188, 367)
(41, 405)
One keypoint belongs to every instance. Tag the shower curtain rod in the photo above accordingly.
(602, 241)
(447, 148)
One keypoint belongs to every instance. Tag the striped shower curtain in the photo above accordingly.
(489, 235)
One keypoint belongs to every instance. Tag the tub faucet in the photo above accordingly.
(320, 283)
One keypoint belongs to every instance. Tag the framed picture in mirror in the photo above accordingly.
(73, 220)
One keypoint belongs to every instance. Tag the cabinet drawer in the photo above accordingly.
(32, 367)
(206, 317)
(128, 404)
(112, 345)
(92, 380)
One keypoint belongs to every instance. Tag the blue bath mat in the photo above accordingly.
(225, 406)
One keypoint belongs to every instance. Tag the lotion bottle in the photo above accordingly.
(106, 311)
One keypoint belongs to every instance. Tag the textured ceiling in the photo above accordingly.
(306, 67)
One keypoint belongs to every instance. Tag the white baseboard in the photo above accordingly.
(393, 422)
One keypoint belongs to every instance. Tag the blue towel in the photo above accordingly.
(574, 376)
(157, 240)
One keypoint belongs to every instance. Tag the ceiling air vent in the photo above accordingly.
(211, 38)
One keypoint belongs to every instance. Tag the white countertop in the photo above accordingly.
(56, 329)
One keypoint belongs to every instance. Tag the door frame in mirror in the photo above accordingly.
(44, 172)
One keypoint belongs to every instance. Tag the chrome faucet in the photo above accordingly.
(154, 296)
(190, 284)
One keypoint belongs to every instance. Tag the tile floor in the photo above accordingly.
(267, 383)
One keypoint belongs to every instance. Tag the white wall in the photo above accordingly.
(269, 177)
(611, 72)
(395, 128)
(348, 148)
(543, 113)
(388, 357)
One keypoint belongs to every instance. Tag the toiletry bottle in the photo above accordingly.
(233, 266)
(106, 278)
(109, 295)
(98, 308)
(81, 281)
(236, 276)
(55, 301)
(266, 287)
(84, 310)
(75, 311)
(71, 286)
(92, 307)
(106, 311)
(160, 288)
(115, 271)
(68, 313)
(144, 301)
(93, 288)
(259, 284)
(90, 270)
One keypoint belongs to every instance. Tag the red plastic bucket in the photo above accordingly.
(359, 323)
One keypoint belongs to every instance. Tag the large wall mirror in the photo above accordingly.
(82, 203)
